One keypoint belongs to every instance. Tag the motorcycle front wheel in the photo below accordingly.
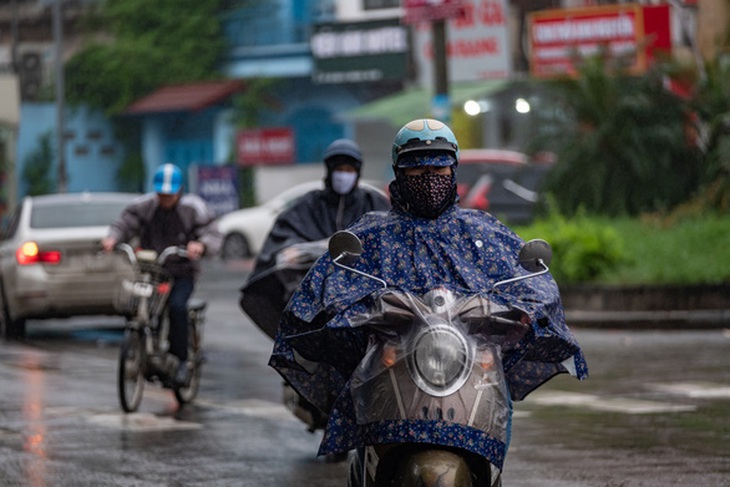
(131, 371)
(185, 394)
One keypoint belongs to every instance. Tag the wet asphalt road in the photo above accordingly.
(655, 412)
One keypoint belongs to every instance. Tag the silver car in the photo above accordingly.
(50, 260)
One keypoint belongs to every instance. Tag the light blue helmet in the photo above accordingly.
(168, 179)
(424, 134)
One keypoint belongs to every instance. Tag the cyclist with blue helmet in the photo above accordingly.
(163, 218)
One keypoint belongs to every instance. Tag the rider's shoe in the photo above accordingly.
(181, 376)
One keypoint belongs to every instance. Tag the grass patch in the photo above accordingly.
(690, 251)
(656, 250)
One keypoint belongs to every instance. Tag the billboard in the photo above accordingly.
(218, 186)
(360, 52)
(477, 44)
(265, 146)
(631, 32)
(430, 10)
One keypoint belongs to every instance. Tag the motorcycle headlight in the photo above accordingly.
(440, 360)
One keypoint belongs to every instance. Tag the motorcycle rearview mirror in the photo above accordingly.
(535, 255)
(344, 247)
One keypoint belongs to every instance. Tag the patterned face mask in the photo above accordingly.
(428, 194)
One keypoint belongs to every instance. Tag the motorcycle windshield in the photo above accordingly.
(436, 358)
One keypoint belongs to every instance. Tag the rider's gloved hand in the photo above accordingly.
(289, 255)
(108, 243)
(195, 249)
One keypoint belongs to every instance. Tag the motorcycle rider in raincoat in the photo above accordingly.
(424, 242)
(314, 218)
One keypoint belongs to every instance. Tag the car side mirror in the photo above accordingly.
(535, 255)
(344, 247)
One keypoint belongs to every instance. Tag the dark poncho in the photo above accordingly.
(315, 216)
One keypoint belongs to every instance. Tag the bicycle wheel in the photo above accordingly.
(185, 394)
(131, 370)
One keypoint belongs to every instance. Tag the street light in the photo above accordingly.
(522, 105)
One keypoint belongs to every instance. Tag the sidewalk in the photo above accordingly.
(647, 307)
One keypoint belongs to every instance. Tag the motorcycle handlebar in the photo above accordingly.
(158, 259)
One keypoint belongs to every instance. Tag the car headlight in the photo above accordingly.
(440, 360)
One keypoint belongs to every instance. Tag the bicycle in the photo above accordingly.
(144, 356)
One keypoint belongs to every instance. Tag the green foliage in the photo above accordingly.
(621, 147)
(154, 43)
(38, 167)
(690, 250)
(584, 249)
(712, 103)
(652, 249)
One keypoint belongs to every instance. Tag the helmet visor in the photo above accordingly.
(424, 158)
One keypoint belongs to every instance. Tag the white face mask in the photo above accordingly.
(343, 182)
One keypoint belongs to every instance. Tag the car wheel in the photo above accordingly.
(12, 328)
(235, 246)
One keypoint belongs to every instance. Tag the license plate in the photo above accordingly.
(139, 289)
(98, 263)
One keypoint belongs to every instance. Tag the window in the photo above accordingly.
(378, 4)
(80, 214)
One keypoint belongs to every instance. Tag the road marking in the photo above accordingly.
(607, 404)
(697, 390)
(142, 422)
(257, 408)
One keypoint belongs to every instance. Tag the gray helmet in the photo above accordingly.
(342, 147)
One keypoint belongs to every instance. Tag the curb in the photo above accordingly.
(648, 306)
(636, 320)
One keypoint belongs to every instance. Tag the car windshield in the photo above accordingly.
(80, 214)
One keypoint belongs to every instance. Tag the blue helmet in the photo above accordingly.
(425, 134)
(168, 179)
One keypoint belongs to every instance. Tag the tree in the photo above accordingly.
(37, 167)
(622, 146)
(712, 104)
(148, 44)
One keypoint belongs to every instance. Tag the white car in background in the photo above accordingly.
(244, 231)
(50, 260)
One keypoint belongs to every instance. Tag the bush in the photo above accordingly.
(584, 248)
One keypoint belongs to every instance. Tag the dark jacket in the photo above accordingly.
(157, 228)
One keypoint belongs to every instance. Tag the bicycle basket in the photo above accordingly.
(156, 290)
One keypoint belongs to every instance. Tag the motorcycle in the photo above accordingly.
(144, 355)
(436, 362)
(265, 296)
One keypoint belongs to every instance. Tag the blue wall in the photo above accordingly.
(93, 156)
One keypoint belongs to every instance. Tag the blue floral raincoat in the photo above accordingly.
(466, 251)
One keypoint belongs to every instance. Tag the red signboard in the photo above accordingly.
(267, 146)
(430, 10)
(559, 38)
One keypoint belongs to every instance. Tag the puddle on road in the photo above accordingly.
(696, 390)
(257, 408)
(607, 404)
(142, 422)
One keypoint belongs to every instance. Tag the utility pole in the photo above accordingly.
(62, 182)
(437, 13)
(441, 104)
